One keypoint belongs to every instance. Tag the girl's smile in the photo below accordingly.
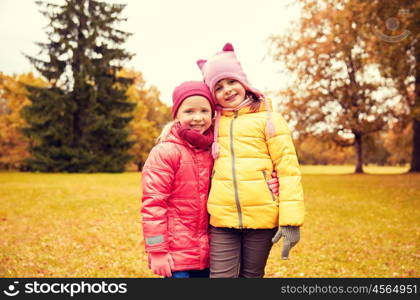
(198, 127)
(229, 92)
(230, 98)
(195, 112)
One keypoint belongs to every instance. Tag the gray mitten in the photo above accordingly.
(291, 236)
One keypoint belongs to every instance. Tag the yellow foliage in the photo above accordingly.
(13, 145)
(149, 116)
(312, 150)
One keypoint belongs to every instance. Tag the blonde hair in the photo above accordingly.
(165, 132)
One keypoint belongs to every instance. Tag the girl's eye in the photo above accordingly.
(205, 110)
(232, 81)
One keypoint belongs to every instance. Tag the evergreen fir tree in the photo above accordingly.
(80, 122)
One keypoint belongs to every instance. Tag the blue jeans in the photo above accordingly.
(205, 273)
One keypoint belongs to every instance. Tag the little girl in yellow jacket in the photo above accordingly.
(250, 142)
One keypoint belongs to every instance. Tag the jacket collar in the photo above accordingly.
(247, 109)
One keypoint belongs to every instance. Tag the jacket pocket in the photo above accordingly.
(271, 192)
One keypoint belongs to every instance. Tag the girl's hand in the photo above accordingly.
(291, 236)
(274, 184)
(161, 263)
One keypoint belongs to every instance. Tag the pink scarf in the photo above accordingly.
(194, 138)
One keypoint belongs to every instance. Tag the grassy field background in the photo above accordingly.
(88, 225)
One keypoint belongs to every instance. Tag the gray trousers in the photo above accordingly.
(239, 252)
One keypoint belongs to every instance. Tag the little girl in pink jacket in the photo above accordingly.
(176, 179)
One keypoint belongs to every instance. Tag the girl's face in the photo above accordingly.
(195, 112)
(229, 92)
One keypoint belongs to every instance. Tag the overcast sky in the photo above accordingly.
(168, 37)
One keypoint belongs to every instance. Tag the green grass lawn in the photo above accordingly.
(88, 225)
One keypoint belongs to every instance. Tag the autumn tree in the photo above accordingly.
(13, 146)
(334, 91)
(80, 122)
(313, 150)
(394, 28)
(379, 148)
(13, 97)
(150, 116)
(374, 149)
(398, 142)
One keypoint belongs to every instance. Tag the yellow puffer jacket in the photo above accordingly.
(239, 195)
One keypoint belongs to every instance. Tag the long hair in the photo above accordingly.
(165, 132)
(256, 101)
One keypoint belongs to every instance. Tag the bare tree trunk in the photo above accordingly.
(359, 153)
(415, 156)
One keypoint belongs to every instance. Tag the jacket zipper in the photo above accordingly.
(265, 178)
(235, 184)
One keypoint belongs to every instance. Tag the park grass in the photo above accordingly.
(349, 169)
(88, 225)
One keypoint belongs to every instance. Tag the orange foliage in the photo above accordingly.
(149, 116)
(313, 151)
(13, 97)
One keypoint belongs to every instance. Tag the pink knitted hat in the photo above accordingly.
(224, 64)
(187, 89)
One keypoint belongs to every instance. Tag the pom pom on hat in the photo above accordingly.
(224, 64)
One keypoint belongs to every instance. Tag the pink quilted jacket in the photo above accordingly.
(176, 179)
